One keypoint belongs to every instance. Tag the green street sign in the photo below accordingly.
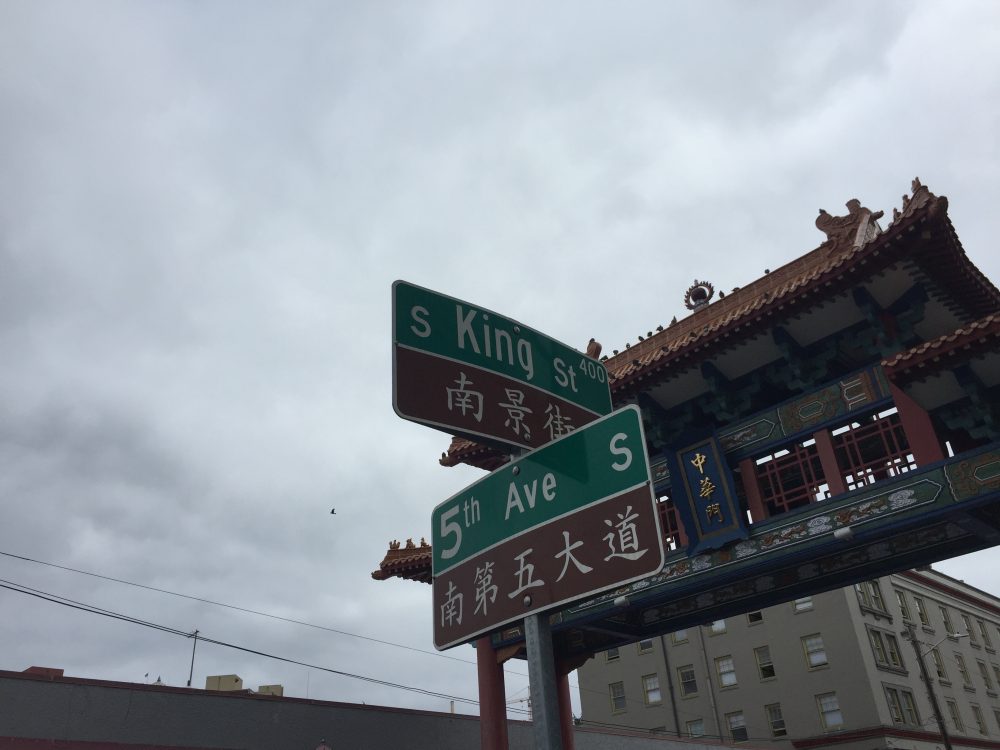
(566, 521)
(469, 371)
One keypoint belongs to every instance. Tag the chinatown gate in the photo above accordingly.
(848, 407)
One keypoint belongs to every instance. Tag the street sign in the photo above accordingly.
(471, 372)
(572, 519)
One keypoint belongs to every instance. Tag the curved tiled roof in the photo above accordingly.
(410, 562)
(931, 356)
(853, 251)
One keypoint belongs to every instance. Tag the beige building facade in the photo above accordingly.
(837, 668)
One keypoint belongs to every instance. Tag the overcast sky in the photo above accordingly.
(203, 206)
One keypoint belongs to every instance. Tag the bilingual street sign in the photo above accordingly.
(567, 521)
(468, 371)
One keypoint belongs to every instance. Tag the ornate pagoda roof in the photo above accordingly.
(933, 356)
(855, 249)
(410, 561)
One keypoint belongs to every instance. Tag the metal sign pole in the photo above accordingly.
(542, 679)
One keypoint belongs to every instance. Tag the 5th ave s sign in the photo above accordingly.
(570, 520)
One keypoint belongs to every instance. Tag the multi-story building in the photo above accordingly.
(837, 668)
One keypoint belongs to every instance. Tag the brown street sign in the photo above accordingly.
(570, 520)
(471, 372)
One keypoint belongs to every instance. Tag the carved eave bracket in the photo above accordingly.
(921, 198)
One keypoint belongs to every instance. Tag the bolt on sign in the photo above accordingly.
(469, 371)
(569, 520)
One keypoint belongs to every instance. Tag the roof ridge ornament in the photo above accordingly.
(698, 295)
(911, 204)
(850, 232)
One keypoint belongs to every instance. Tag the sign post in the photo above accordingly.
(574, 518)
(468, 371)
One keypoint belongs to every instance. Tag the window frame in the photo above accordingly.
(776, 731)
(977, 716)
(827, 727)
(741, 726)
(614, 697)
(681, 682)
(802, 604)
(646, 689)
(612, 654)
(918, 604)
(647, 650)
(956, 716)
(809, 652)
(762, 665)
(963, 670)
(731, 671)
(687, 727)
(904, 607)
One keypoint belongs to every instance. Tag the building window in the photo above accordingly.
(918, 604)
(651, 689)
(804, 604)
(996, 672)
(948, 627)
(895, 705)
(910, 708)
(718, 627)
(695, 728)
(679, 636)
(754, 617)
(985, 634)
(870, 595)
(829, 711)
(886, 649)
(687, 680)
(904, 609)
(815, 651)
(726, 671)
(996, 717)
(617, 692)
(776, 720)
(764, 664)
(973, 637)
(962, 670)
(977, 715)
(902, 706)
(646, 646)
(938, 663)
(956, 717)
(612, 654)
(737, 726)
(985, 672)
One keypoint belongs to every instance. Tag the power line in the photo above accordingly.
(247, 610)
(238, 609)
(66, 602)
(93, 609)
(261, 614)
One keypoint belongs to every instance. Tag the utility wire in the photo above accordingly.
(264, 614)
(239, 609)
(65, 601)
(55, 599)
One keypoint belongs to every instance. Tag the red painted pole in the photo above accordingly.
(492, 697)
